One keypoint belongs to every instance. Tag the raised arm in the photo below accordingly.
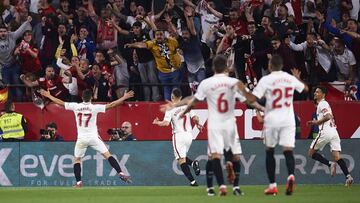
(139, 45)
(20, 31)
(162, 123)
(117, 102)
(118, 28)
(47, 94)
(214, 12)
(28, 82)
(190, 21)
(190, 104)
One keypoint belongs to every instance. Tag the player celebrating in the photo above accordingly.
(327, 135)
(279, 124)
(219, 91)
(182, 137)
(86, 116)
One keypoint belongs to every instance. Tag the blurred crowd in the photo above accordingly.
(152, 46)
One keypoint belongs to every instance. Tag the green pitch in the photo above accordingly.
(172, 194)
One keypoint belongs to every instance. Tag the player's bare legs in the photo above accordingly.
(107, 155)
(218, 173)
(337, 158)
(290, 163)
(186, 170)
(318, 157)
(77, 172)
(270, 169)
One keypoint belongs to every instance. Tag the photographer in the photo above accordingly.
(122, 134)
(50, 133)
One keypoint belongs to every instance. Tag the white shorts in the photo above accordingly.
(326, 138)
(94, 142)
(220, 139)
(283, 136)
(181, 144)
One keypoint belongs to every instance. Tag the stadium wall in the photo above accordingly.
(152, 163)
(141, 115)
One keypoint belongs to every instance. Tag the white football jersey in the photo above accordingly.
(322, 109)
(179, 125)
(86, 117)
(278, 88)
(219, 91)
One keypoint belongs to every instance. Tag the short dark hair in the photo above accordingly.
(51, 125)
(219, 63)
(176, 92)
(312, 34)
(3, 26)
(276, 62)
(137, 24)
(322, 89)
(275, 38)
(87, 95)
(8, 105)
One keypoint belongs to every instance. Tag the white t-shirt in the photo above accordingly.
(219, 91)
(344, 61)
(278, 88)
(207, 20)
(179, 125)
(322, 109)
(86, 116)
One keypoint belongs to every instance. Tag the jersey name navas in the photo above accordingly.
(278, 88)
(219, 91)
(179, 125)
(86, 116)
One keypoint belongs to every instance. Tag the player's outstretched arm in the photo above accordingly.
(160, 123)
(169, 105)
(127, 95)
(190, 105)
(250, 98)
(297, 73)
(47, 94)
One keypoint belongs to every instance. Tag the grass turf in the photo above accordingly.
(176, 194)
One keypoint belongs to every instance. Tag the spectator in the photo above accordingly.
(127, 128)
(317, 58)
(9, 67)
(167, 59)
(99, 83)
(50, 133)
(28, 55)
(106, 34)
(51, 82)
(345, 62)
(12, 125)
(121, 74)
(190, 45)
(85, 46)
(145, 60)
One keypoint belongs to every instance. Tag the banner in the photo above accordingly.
(152, 163)
(141, 115)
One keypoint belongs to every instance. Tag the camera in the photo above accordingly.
(43, 132)
(116, 134)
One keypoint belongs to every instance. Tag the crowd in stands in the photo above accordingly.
(151, 46)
